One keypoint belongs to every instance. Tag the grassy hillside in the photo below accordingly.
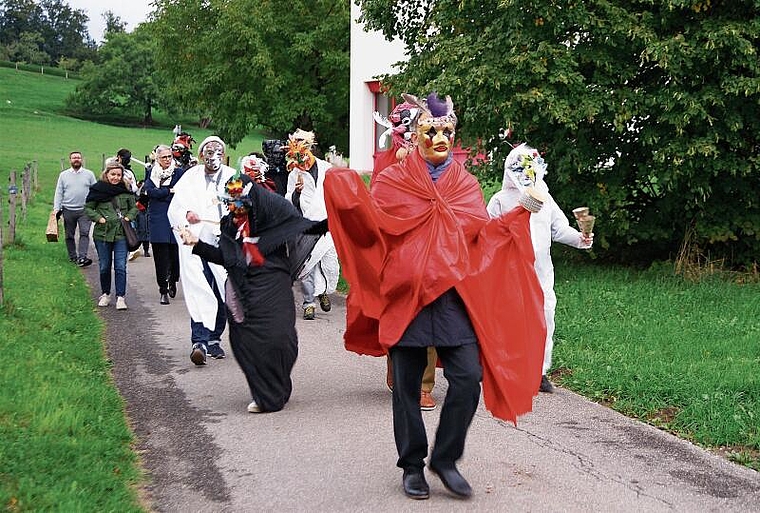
(31, 107)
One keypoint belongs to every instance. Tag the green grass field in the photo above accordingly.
(680, 355)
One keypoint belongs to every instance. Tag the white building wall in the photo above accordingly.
(371, 55)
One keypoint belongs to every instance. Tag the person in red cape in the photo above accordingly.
(399, 130)
(426, 266)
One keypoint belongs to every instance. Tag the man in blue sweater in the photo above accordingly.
(70, 194)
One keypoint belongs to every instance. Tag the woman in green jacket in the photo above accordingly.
(106, 196)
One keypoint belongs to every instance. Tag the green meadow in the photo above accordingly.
(681, 355)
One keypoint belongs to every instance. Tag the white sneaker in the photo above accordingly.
(134, 254)
(104, 300)
(120, 303)
(254, 408)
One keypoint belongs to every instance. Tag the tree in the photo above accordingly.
(114, 23)
(124, 82)
(274, 64)
(27, 49)
(647, 110)
(63, 30)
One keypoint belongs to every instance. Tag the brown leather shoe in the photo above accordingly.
(427, 402)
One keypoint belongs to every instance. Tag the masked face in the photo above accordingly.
(274, 150)
(213, 155)
(435, 140)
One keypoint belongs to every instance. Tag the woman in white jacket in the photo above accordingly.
(524, 168)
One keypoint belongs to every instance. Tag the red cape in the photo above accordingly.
(410, 241)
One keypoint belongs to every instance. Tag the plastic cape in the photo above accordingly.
(411, 240)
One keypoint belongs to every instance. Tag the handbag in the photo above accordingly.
(51, 232)
(129, 231)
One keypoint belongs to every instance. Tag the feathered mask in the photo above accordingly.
(398, 123)
(299, 155)
(440, 111)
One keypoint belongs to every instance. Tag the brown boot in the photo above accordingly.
(427, 402)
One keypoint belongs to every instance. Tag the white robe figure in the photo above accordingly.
(193, 193)
(312, 204)
(547, 226)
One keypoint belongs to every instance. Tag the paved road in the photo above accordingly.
(331, 448)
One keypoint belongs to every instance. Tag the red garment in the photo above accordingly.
(383, 160)
(411, 241)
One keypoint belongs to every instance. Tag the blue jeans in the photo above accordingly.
(199, 332)
(118, 250)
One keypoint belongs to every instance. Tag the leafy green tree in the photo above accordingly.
(647, 110)
(28, 49)
(63, 30)
(18, 17)
(124, 83)
(114, 23)
(274, 64)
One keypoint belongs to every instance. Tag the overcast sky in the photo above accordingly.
(133, 12)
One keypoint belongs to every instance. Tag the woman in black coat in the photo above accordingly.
(159, 189)
(263, 243)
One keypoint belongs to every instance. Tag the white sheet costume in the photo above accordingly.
(324, 258)
(547, 226)
(193, 192)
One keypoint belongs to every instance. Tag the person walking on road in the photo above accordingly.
(159, 189)
(70, 194)
(398, 139)
(255, 246)
(110, 199)
(196, 207)
(524, 167)
(425, 267)
(305, 190)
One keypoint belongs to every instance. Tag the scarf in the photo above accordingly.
(158, 175)
(101, 192)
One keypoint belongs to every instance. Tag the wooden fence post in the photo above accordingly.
(35, 177)
(25, 188)
(12, 192)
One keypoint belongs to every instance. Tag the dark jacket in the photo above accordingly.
(159, 198)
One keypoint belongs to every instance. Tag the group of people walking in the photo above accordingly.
(428, 266)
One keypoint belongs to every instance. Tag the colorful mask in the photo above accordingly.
(213, 155)
(525, 165)
(299, 155)
(255, 167)
(399, 123)
(435, 127)
(435, 139)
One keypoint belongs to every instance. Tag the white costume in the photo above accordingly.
(312, 203)
(193, 192)
(547, 226)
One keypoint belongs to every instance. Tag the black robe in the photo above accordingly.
(262, 312)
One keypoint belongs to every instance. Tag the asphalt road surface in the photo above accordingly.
(331, 448)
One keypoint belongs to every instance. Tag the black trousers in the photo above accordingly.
(462, 370)
(166, 261)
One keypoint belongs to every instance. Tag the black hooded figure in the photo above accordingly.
(263, 243)
(274, 151)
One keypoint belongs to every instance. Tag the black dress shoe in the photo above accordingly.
(415, 485)
(164, 299)
(172, 289)
(453, 481)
